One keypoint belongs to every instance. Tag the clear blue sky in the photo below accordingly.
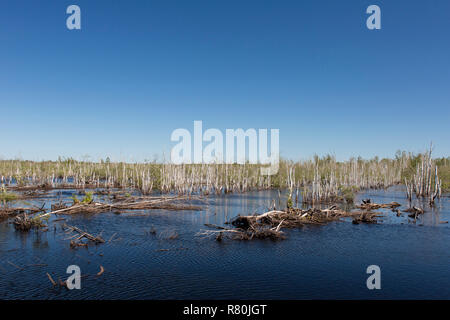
(140, 69)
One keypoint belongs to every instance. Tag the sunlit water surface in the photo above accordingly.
(314, 262)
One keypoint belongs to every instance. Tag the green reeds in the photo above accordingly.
(5, 196)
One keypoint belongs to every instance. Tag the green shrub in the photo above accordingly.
(75, 199)
(6, 196)
(88, 198)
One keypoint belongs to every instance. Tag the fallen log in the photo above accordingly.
(415, 210)
(365, 217)
(241, 234)
(167, 203)
(77, 242)
(7, 212)
(374, 206)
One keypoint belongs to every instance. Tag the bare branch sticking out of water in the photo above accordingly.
(78, 241)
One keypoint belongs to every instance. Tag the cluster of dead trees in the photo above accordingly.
(425, 183)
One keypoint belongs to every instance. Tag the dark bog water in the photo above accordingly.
(315, 262)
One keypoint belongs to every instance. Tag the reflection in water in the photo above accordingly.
(143, 260)
(38, 241)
